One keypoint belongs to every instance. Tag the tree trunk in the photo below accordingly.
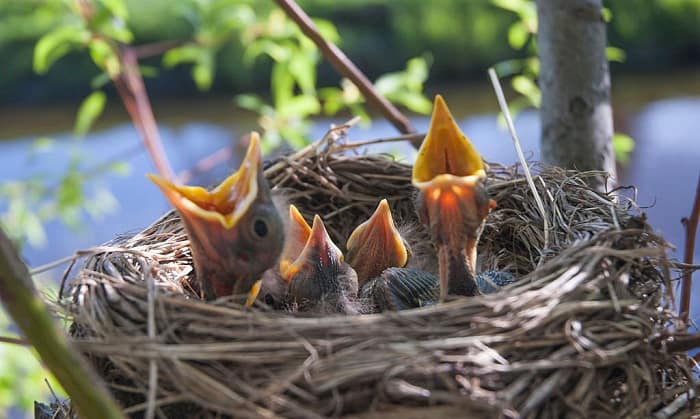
(577, 126)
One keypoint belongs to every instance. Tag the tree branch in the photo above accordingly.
(691, 228)
(345, 67)
(28, 311)
(155, 48)
(129, 85)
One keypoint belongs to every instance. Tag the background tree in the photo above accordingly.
(577, 128)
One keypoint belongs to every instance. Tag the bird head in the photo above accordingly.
(319, 275)
(452, 201)
(235, 231)
(376, 245)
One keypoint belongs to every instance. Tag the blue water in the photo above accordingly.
(665, 167)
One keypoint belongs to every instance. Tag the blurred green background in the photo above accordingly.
(462, 36)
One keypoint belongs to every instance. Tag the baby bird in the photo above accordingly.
(452, 201)
(274, 284)
(380, 256)
(235, 231)
(319, 279)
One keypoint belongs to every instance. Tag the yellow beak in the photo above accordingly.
(226, 203)
(298, 233)
(446, 150)
(319, 252)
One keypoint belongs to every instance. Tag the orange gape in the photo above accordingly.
(452, 202)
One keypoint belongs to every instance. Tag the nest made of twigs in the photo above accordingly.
(577, 336)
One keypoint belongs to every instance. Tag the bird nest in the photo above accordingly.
(583, 333)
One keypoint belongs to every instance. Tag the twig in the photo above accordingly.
(152, 363)
(129, 85)
(691, 228)
(345, 67)
(155, 48)
(672, 408)
(19, 296)
(13, 341)
(511, 127)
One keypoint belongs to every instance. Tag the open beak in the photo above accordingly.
(298, 233)
(376, 245)
(211, 218)
(224, 205)
(449, 173)
(319, 253)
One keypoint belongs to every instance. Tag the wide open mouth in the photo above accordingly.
(446, 150)
(226, 203)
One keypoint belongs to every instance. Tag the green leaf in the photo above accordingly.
(89, 111)
(120, 168)
(303, 68)
(116, 7)
(300, 106)
(282, 84)
(203, 74)
(615, 54)
(518, 35)
(201, 57)
(148, 71)
(56, 44)
(189, 53)
(250, 102)
(414, 101)
(99, 81)
(527, 87)
(104, 56)
(623, 145)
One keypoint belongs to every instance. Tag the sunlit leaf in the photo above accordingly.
(104, 56)
(615, 54)
(282, 84)
(203, 74)
(301, 106)
(623, 145)
(527, 87)
(518, 35)
(89, 111)
(56, 44)
(414, 101)
(116, 7)
(188, 53)
(250, 102)
(120, 168)
(303, 69)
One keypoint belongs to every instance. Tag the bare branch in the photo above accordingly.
(28, 311)
(691, 229)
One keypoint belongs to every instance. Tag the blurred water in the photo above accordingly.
(664, 167)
